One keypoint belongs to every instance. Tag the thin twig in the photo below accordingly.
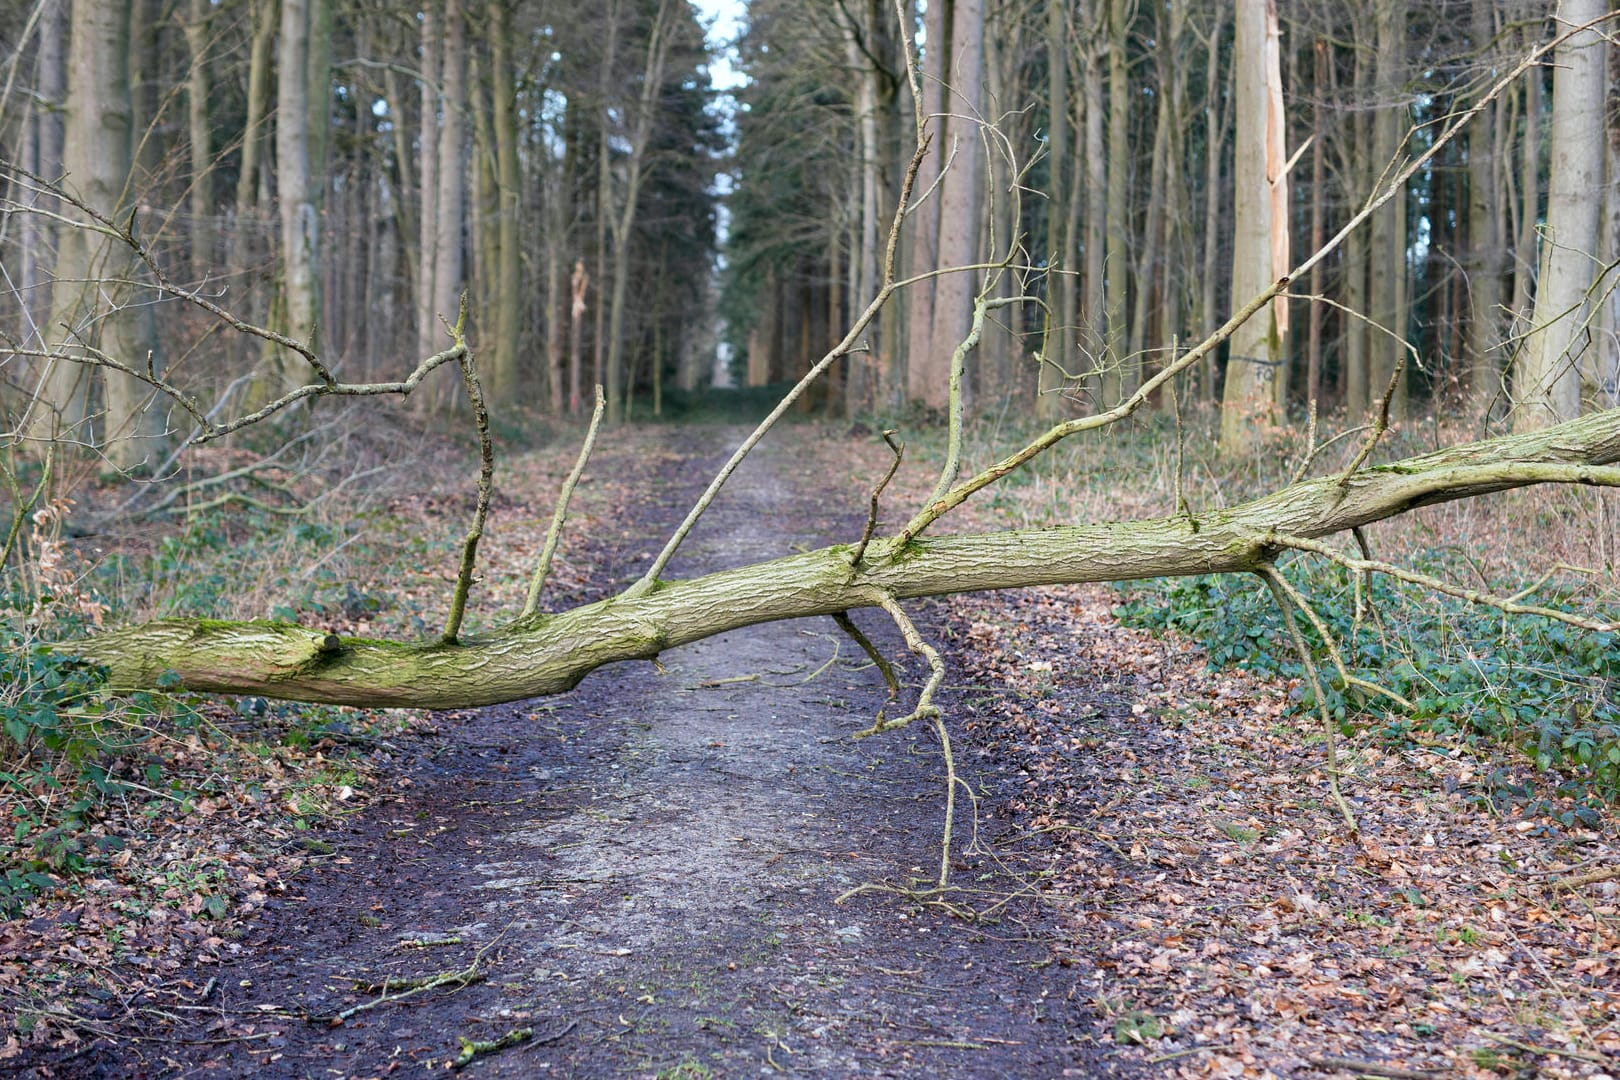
(1380, 424)
(1369, 1068)
(1461, 592)
(899, 450)
(1330, 736)
(560, 515)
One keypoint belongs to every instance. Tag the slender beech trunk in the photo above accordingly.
(509, 270)
(1217, 119)
(200, 141)
(427, 331)
(1485, 240)
(1547, 384)
(960, 198)
(1387, 244)
(1060, 256)
(1093, 310)
(97, 279)
(1246, 396)
(248, 240)
(43, 158)
(1313, 344)
(1121, 372)
(450, 212)
(924, 366)
(1149, 252)
(295, 188)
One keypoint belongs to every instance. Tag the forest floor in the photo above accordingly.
(692, 870)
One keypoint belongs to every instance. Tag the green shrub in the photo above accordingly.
(1545, 687)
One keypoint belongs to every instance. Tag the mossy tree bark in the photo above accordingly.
(545, 654)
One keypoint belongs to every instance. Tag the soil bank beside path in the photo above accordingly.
(644, 872)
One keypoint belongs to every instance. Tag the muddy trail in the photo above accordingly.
(644, 873)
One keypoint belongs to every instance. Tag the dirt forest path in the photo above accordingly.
(644, 872)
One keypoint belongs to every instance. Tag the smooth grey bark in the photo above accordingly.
(96, 276)
(1121, 372)
(427, 330)
(295, 188)
(449, 206)
(200, 150)
(1217, 118)
(1060, 253)
(509, 225)
(1386, 241)
(42, 156)
(927, 362)
(1246, 396)
(1486, 244)
(1547, 384)
(960, 198)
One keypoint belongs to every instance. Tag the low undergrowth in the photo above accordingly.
(1466, 673)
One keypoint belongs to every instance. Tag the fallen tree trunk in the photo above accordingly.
(546, 654)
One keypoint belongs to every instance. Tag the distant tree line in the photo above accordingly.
(343, 172)
(1130, 152)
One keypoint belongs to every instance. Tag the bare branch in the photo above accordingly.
(560, 515)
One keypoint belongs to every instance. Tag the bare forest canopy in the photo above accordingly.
(218, 210)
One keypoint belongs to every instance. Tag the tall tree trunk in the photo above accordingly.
(249, 218)
(1247, 399)
(1485, 240)
(295, 187)
(1121, 372)
(1313, 345)
(200, 148)
(922, 363)
(1387, 244)
(1358, 256)
(427, 331)
(1060, 256)
(95, 274)
(1217, 118)
(450, 206)
(1547, 385)
(1524, 255)
(960, 198)
(43, 158)
(1094, 318)
(509, 274)
(1172, 242)
(1148, 253)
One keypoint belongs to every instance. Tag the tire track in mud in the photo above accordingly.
(645, 870)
